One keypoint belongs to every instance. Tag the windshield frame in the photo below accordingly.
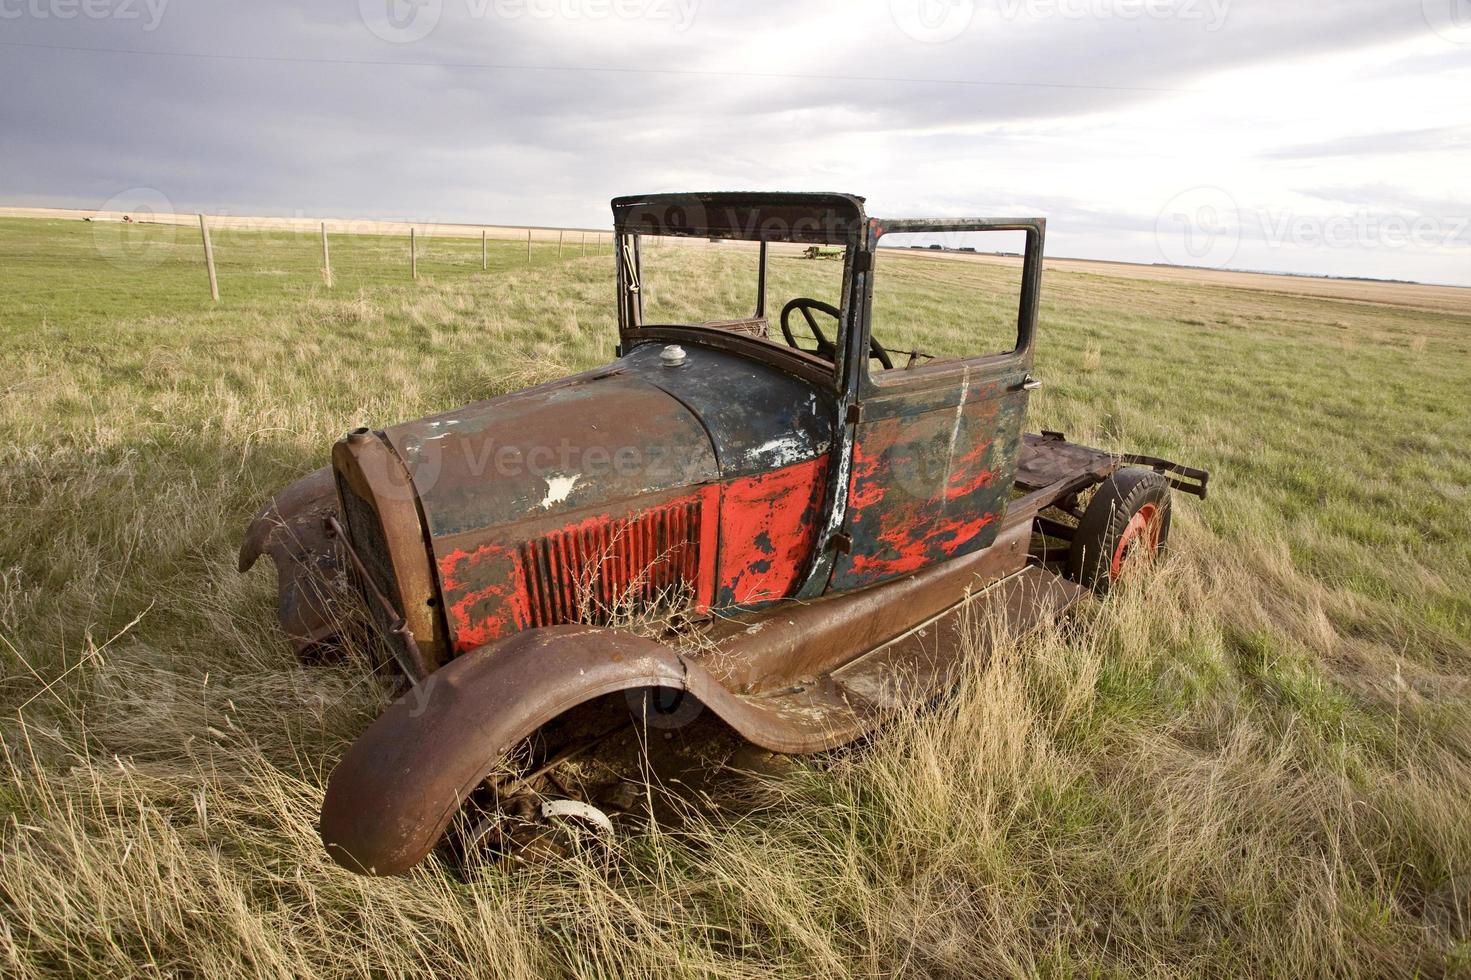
(944, 371)
(634, 330)
(796, 218)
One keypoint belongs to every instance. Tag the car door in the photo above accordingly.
(935, 443)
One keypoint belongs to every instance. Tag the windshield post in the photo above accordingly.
(630, 295)
(761, 283)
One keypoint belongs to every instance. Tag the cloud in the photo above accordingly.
(506, 113)
(1390, 199)
(1442, 139)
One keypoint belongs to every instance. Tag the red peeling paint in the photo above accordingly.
(767, 527)
(902, 515)
(865, 489)
(909, 547)
(967, 475)
(962, 532)
(477, 616)
(749, 538)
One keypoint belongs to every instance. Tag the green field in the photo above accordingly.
(1255, 759)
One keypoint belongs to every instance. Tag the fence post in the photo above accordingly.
(484, 253)
(209, 260)
(326, 258)
(560, 233)
(413, 254)
(584, 243)
(528, 244)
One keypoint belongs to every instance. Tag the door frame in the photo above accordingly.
(862, 393)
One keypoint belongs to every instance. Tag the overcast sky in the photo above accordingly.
(1320, 136)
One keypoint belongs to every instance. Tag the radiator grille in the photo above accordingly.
(365, 532)
(585, 574)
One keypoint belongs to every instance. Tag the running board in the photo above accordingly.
(927, 661)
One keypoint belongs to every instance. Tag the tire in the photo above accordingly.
(1130, 509)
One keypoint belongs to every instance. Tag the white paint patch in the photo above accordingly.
(785, 449)
(559, 488)
(959, 418)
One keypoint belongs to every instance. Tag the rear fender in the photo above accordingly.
(403, 780)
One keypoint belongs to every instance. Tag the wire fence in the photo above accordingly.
(178, 261)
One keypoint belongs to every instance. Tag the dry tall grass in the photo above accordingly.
(1252, 761)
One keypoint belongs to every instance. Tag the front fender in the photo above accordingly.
(300, 506)
(310, 575)
(402, 781)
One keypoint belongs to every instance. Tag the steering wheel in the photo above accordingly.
(825, 347)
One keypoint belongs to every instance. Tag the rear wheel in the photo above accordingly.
(1128, 519)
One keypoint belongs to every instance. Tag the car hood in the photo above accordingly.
(627, 464)
(543, 454)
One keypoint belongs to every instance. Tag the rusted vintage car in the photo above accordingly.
(803, 521)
